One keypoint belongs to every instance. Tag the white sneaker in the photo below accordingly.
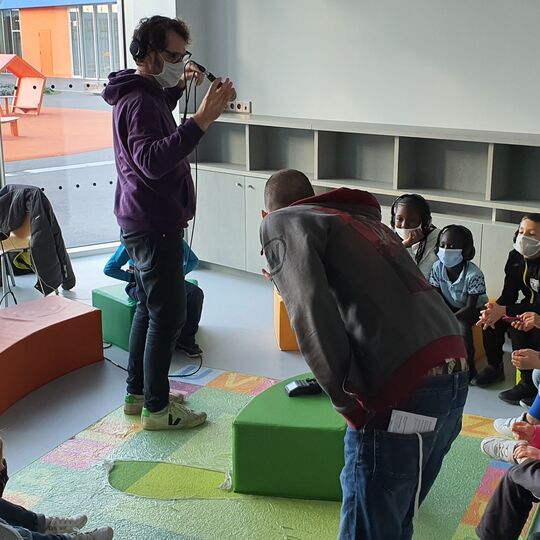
(103, 533)
(62, 525)
(133, 404)
(174, 416)
(504, 425)
(499, 448)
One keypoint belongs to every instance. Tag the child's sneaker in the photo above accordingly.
(175, 416)
(103, 533)
(191, 351)
(62, 525)
(504, 425)
(133, 403)
(498, 448)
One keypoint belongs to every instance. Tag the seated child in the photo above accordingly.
(194, 295)
(460, 282)
(519, 295)
(524, 359)
(17, 522)
(411, 221)
(510, 505)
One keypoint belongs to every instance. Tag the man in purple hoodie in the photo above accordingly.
(155, 199)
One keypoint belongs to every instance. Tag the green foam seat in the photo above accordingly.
(288, 447)
(117, 311)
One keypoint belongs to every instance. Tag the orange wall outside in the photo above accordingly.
(55, 19)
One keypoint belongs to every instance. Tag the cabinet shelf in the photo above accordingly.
(275, 148)
(223, 145)
(456, 167)
(366, 185)
(355, 156)
(516, 172)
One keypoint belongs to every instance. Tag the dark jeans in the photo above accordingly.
(509, 507)
(493, 339)
(18, 516)
(466, 326)
(26, 534)
(160, 313)
(32, 535)
(194, 305)
(381, 473)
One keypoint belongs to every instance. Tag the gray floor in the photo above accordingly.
(236, 334)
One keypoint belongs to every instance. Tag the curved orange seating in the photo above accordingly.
(43, 340)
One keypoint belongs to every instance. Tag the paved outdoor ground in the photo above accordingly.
(80, 186)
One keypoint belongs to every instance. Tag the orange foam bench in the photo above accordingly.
(43, 340)
(285, 336)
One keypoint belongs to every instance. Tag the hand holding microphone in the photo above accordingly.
(214, 103)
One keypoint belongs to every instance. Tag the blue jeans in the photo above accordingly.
(381, 473)
(160, 313)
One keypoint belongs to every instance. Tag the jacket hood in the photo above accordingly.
(123, 82)
(344, 197)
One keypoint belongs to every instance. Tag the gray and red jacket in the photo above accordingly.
(367, 322)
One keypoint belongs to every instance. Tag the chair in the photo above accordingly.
(18, 241)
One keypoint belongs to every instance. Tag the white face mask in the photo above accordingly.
(170, 74)
(527, 246)
(405, 233)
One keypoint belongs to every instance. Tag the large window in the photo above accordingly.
(75, 33)
(94, 40)
(10, 32)
(66, 150)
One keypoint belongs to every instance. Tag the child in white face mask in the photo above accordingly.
(522, 278)
(460, 282)
(411, 221)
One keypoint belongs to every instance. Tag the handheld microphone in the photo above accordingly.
(210, 76)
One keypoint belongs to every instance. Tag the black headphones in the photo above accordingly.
(139, 46)
(421, 204)
(137, 50)
(468, 250)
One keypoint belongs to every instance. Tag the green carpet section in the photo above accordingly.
(288, 447)
(455, 487)
(167, 481)
(172, 491)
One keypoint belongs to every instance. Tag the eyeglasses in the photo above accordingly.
(176, 58)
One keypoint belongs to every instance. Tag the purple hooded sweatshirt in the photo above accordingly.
(155, 190)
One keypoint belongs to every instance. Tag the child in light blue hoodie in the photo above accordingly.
(460, 282)
(194, 295)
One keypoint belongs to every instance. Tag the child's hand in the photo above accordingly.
(266, 274)
(523, 431)
(526, 359)
(527, 321)
(490, 315)
(414, 237)
(524, 451)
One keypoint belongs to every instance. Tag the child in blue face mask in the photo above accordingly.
(460, 282)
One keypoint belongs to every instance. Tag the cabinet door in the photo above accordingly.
(254, 204)
(220, 230)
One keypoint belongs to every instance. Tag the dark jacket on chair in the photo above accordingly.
(49, 253)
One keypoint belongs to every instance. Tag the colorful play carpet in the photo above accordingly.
(161, 486)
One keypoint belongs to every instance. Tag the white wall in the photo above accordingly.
(461, 63)
(135, 10)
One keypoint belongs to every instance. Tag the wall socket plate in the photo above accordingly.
(239, 107)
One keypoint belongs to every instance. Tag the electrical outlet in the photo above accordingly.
(240, 107)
